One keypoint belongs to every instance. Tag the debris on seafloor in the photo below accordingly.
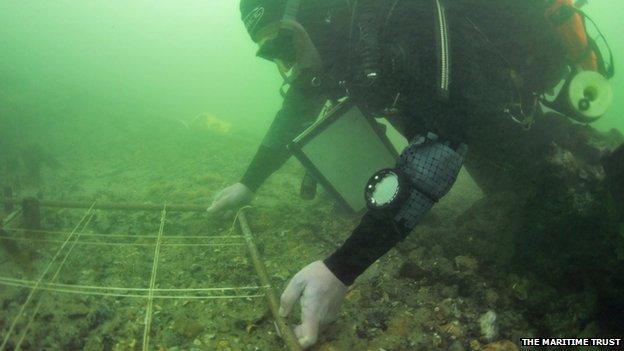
(206, 122)
(487, 323)
(453, 329)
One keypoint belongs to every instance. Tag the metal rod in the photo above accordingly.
(39, 281)
(287, 334)
(10, 218)
(31, 283)
(152, 286)
(114, 206)
(59, 268)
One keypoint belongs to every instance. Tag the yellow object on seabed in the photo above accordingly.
(206, 122)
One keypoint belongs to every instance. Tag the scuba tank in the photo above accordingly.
(553, 61)
(585, 93)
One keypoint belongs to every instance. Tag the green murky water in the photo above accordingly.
(165, 102)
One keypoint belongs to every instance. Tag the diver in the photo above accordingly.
(437, 70)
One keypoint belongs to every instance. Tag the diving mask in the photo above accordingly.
(288, 44)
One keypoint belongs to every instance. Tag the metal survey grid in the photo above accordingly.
(152, 280)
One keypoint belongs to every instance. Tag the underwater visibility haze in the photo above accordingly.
(147, 105)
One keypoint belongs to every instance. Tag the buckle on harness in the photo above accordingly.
(516, 112)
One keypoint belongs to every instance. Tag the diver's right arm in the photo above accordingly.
(301, 106)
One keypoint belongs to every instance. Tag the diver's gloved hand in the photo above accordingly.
(231, 198)
(320, 294)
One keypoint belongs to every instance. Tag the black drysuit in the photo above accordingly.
(404, 35)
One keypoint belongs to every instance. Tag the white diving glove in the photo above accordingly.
(320, 294)
(231, 198)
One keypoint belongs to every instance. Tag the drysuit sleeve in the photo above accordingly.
(371, 239)
(431, 167)
(300, 108)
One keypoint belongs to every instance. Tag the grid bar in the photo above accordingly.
(96, 243)
(40, 231)
(113, 294)
(244, 292)
(288, 336)
(45, 272)
(31, 283)
(10, 218)
(58, 271)
(150, 298)
(111, 206)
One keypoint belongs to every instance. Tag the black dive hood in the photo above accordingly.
(284, 39)
(257, 14)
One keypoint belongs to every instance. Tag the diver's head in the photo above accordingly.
(280, 28)
(259, 14)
